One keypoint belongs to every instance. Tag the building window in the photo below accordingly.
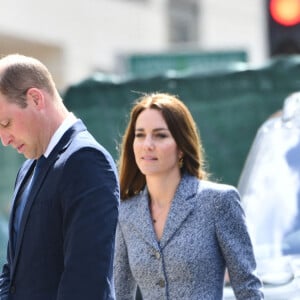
(183, 21)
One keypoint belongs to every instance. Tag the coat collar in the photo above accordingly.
(182, 205)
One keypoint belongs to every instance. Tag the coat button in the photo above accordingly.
(161, 283)
(157, 255)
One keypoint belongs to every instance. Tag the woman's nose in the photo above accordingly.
(148, 142)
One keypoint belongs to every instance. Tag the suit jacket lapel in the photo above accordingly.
(54, 155)
(22, 179)
(33, 191)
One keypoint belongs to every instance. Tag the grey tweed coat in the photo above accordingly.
(205, 231)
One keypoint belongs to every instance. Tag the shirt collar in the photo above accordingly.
(65, 125)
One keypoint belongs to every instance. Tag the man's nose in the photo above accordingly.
(5, 139)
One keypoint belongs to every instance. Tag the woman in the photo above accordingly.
(177, 232)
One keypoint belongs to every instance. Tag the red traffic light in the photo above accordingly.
(285, 12)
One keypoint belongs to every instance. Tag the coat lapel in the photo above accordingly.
(138, 216)
(54, 155)
(140, 219)
(182, 205)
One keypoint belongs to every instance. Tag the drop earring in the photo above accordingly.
(180, 162)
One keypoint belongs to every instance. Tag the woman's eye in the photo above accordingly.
(161, 135)
(139, 135)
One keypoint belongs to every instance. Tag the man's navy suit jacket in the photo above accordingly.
(65, 244)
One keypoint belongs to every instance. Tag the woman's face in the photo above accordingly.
(155, 150)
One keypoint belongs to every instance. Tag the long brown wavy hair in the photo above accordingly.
(183, 129)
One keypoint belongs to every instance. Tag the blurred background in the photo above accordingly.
(232, 62)
(76, 38)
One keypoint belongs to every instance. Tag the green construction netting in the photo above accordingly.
(228, 106)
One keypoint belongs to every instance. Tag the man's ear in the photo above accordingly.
(36, 96)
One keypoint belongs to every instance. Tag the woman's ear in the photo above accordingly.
(180, 154)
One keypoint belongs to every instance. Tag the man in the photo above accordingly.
(63, 219)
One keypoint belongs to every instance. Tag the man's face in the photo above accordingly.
(20, 127)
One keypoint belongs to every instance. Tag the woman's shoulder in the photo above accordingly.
(223, 197)
(131, 205)
(217, 194)
(215, 186)
(203, 184)
(128, 203)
